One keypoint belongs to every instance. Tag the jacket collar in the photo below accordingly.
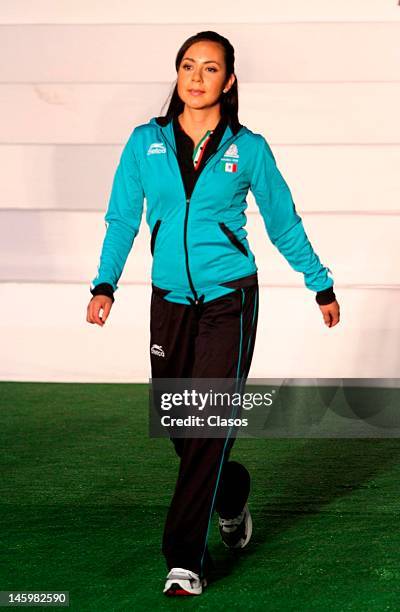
(166, 125)
(218, 131)
(163, 120)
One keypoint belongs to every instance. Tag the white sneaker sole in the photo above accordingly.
(249, 530)
(185, 587)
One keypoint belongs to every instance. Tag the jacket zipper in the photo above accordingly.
(192, 287)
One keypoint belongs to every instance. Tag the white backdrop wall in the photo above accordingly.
(319, 80)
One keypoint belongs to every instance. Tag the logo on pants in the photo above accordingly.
(156, 349)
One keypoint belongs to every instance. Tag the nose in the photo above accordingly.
(196, 75)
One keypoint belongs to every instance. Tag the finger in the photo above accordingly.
(336, 315)
(106, 310)
(94, 312)
(336, 318)
(89, 318)
(96, 315)
(327, 318)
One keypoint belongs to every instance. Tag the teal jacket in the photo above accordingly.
(200, 242)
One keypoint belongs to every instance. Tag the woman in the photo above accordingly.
(195, 166)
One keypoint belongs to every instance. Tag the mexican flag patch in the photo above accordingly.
(229, 166)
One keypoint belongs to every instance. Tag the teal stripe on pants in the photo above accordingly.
(226, 441)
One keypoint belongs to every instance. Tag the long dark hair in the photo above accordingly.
(229, 102)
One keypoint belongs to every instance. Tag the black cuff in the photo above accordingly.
(103, 289)
(326, 296)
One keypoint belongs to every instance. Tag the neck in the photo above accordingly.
(199, 120)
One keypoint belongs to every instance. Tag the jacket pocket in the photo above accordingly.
(154, 235)
(234, 239)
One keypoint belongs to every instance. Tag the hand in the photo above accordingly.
(331, 313)
(97, 303)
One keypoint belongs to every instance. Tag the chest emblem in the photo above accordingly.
(229, 162)
(156, 148)
(228, 166)
(232, 151)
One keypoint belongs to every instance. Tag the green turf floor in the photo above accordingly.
(85, 491)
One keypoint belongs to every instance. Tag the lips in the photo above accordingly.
(196, 92)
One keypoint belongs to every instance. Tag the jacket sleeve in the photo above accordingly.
(122, 219)
(284, 226)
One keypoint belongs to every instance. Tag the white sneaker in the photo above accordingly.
(236, 532)
(183, 582)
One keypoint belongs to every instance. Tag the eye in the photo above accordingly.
(209, 68)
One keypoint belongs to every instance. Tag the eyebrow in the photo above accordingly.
(207, 62)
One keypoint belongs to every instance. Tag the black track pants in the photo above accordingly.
(211, 340)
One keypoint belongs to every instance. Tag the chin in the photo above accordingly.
(193, 104)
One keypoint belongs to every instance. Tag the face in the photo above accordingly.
(201, 75)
